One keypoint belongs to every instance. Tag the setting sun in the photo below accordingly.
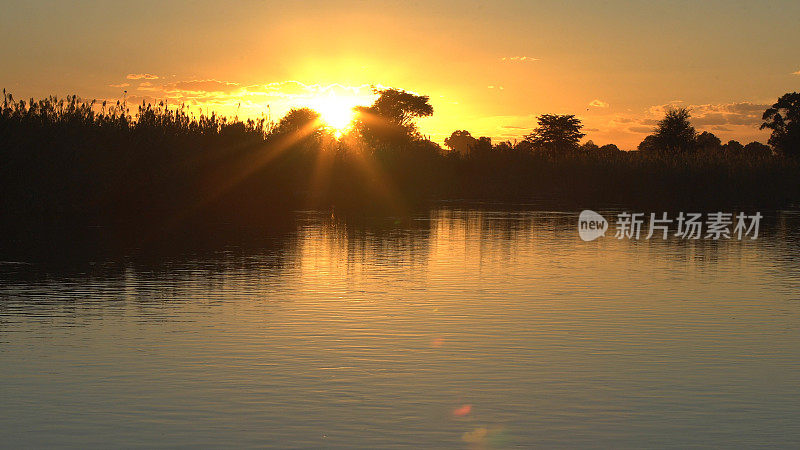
(336, 111)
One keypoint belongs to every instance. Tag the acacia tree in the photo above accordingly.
(783, 118)
(556, 132)
(391, 117)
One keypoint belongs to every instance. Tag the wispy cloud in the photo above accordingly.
(201, 86)
(141, 76)
(148, 86)
(597, 103)
(741, 113)
(252, 100)
(120, 85)
(291, 92)
(519, 59)
(640, 129)
(796, 73)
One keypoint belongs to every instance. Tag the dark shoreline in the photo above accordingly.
(74, 177)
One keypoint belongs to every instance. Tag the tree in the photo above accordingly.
(783, 118)
(674, 133)
(556, 132)
(648, 145)
(609, 148)
(391, 117)
(505, 146)
(590, 146)
(523, 146)
(707, 142)
(483, 145)
(757, 149)
(461, 141)
(733, 147)
(301, 122)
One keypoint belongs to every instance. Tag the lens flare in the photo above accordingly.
(336, 111)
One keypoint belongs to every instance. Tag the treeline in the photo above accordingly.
(66, 164)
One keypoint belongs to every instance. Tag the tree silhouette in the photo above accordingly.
(590, 146)
(391, 117)
(707, 141)
(461, 141)
(648, 145)
(610, 148)
(783, 118)
(483, 145)
(733, 146)
(674, 133)
(757, 149)
(556, 132)
(301, 121)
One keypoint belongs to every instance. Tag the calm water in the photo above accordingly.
(460, 329)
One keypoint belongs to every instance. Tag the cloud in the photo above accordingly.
(495, 87)
(736, 120)
(255, 100)
(740, 113)
(292, 88)
(640, 129)
(796, 73)
(281, 92)
(201, 86)
(660, 110)
(597, 103)
(736, 113)
(121, 85)
(148, 86)
(519, 59)
(141, 76)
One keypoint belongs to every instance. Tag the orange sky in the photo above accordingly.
(488, 68)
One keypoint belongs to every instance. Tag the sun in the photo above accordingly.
(335, 111)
